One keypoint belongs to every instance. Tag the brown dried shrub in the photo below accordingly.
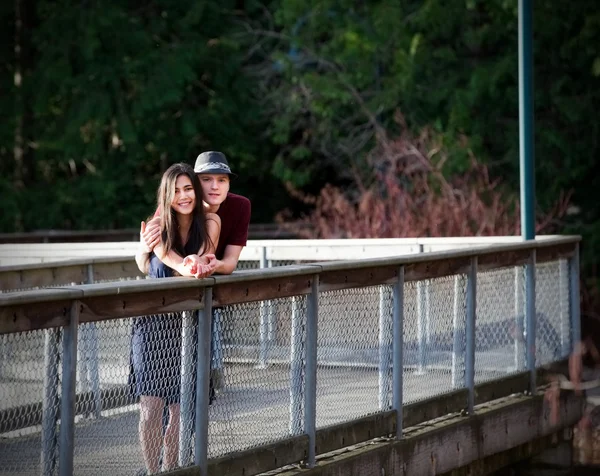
(408, 195)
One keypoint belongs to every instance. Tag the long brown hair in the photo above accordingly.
(198, 238)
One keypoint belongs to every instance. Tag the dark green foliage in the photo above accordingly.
(115, 92)
(294, 91)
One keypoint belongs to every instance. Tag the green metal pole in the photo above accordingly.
(526, 149)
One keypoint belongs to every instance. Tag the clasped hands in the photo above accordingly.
(191, 266)
(200, 266)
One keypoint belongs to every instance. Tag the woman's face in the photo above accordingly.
(184, 199)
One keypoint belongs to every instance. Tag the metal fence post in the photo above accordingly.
(272, 333)
(398, 349)
(203, 383)
(385, 348)
(574, 298)
(216, 358)
(186, 414)
(428, 329)
(421, 327)
(530, 318)
(296, 357)
(519, 320)
(310, 394)
(564, 304)
(458, 357)
(51, 402)
(89, 374)
(66, 445)
(264, 320)
(421, 324)
(471, 322)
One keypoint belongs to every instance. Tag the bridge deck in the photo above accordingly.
(244, 415)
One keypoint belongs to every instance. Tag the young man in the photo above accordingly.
(213, 172)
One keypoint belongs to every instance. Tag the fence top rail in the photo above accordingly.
(313, 250)
(149, 286)
(66, 263)
(484, 240)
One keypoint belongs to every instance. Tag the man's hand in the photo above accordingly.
(150, 235)
(209, 266)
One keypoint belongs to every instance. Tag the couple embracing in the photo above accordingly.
(198, 229)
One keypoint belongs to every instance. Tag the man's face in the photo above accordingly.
(214, 188)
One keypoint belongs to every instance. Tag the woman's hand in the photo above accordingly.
(199, 266)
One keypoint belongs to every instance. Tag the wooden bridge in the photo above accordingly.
(405, 361)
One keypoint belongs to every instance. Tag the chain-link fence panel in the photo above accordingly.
(499, 339)
(354, 356)
(145, 371)
(135, 396)
(433, 337)
(29, 401)
(243, 265)
(284, 262)
(553, 334)
(257, 367)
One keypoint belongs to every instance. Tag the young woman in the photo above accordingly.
(156, 340)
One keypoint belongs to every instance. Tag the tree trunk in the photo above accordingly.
(18, 144)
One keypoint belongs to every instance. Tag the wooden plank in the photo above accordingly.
(259, 460)
(434, 407)
(357, 278)
(42, 277)
(116, 270)
(453, 442)
(254, 460)
(33, 316)
(555, 252)
(500, 388)
(347, 434)
(384, 423)
(140, 304)
(436, 268)
(503, 259)
(260, 290)
(11, 280)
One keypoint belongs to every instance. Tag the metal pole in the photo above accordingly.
(526, 138)
(458, 357)
(310, 394)
(421, 324)
(530, 318)
(51, 402)
(186, 414)
(421, 327)
(385, 357)
(272, 335)
(264, 320)
(574, 298)
(90, 340)
(564, 304)
(216, 359)
(398, 349)
(66, 445)
(203, 383)
(519, 320)
(428, 313)
(471, 323)
(296, 357)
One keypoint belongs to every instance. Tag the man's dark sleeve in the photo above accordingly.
(239, 236)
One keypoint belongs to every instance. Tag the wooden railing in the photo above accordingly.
(69, 307)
